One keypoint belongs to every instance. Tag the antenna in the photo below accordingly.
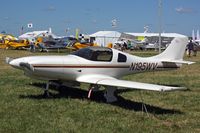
(160, 21)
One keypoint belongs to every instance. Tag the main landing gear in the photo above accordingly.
(109, 93)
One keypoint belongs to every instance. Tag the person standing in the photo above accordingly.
(129, 44)
(32, 45)
(190, 48)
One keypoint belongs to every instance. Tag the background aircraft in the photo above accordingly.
(100, 66)
(196, 39)
(46, 43)
(9, 41)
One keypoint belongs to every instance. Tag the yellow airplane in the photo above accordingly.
(4, 37)
(2, 44)
(79, 45)
(9, 41)
(17, 44)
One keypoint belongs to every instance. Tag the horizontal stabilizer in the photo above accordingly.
(178, 61)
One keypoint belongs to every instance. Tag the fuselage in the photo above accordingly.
(110, 62)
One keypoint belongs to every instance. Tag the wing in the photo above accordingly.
(109, 81)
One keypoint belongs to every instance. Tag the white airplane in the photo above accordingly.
(101, 66)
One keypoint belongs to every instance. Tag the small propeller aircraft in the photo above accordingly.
(101, 66)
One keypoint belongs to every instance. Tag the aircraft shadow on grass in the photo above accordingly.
(77, 93)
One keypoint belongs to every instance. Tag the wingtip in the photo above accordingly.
(172, 89)
(191, 63)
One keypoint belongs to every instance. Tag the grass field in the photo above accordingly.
(23, 109)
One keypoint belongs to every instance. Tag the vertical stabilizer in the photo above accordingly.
(175, 50)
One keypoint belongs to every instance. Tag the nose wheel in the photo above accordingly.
(46, 90)
(46, 93)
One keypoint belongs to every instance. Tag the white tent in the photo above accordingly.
(102, 38)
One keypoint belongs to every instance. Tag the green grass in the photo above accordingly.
(23, 109)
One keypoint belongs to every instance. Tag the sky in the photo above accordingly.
(90, 16)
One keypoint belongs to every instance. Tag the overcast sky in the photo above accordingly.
(180, 16)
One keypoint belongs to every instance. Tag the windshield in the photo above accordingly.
(95, 53)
